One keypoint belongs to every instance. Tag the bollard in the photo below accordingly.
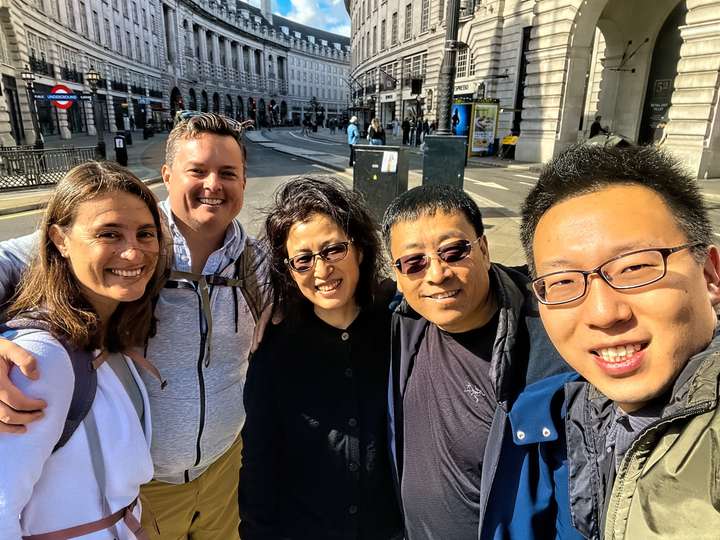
(121, 155)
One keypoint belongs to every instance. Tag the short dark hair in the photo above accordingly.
(583, 169)
(427, 201)
(302, 197)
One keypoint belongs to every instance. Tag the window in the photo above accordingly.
(441, 17)
(425, 15)
(134, 12)
(462, 63)
(137, 48)
(72, 24)
(471, 66)
(125, 8)
(144, 21)
(83, 19)
(118, 39)
(128, 44)
(382, 34)
(394, 29)
(148, 58)
(374, 40)
(96, 26)
(408, 21)
(108, 35)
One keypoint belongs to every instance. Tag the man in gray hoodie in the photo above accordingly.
(207, 320)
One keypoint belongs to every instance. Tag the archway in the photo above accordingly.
(176, 102)
(216, 103)
(193, 100)
(229, 106)
(204, 101)
(283, 111)
(262, 113)
(252, 109)
(240, 109)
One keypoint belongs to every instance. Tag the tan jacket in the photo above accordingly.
(668, 484)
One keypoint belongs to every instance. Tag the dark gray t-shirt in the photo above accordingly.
(448, 408)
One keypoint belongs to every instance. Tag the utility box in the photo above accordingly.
(121, 155)
(444, 160)
(380, 174)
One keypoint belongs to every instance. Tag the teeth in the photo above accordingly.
(126, 273)
(327, 287)
(440, 296)
(618, 354)
(210, 201)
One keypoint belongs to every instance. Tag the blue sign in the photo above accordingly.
(57, 97)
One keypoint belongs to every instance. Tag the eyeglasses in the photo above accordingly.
(239, 127)
(449, 253)
(626, 271)
(331, 253)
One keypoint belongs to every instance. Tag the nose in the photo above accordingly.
(437, 271)
(131, 251)
(605, 306)
(322, 269)
(212, 182)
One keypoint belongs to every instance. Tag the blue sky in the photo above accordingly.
(328, 15)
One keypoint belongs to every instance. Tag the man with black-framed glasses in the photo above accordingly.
(466, 342)
(620, 246)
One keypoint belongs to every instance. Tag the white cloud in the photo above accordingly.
(329, 15)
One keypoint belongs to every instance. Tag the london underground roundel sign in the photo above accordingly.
(62, 97)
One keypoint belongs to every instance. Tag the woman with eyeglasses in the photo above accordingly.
(315, 459)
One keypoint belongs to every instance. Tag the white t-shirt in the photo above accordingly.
(41, 491)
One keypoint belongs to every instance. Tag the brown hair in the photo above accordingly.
(50, 286)
(194, 126)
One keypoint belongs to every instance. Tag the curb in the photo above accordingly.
(42, 204)
(306, 158)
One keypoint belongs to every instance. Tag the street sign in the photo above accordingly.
(61, 96)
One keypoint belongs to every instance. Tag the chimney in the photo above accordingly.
(266, 10)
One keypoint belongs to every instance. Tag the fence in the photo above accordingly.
(23, 168)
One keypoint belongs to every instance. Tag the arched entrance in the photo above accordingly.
(262, 113)
(176, 102)
(240, 109)
(216, 103)
(283, 111)
(204, 101)
(252, 109)
(193, 100)
(229, 106)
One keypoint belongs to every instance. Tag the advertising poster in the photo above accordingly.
(484, 127)
(460, 118)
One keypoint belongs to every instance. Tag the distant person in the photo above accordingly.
(406, 131)
(353, 136)
(660, 133)
(425, 128)
(396, 127)
(305, 127)
(376, 133)
(596, 128)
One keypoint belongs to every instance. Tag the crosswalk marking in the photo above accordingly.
(486, 184)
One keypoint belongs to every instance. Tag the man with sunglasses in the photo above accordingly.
(465, 342)
(628, 280)
(208, 319)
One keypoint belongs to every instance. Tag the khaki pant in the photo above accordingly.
(204, 509)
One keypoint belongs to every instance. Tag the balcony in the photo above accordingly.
(118, 86)
(137, 89)
(156, 94)
(73, 75)
(42, 67)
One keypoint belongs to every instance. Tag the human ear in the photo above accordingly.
(711, 271)
(165, 173)
(59, 239)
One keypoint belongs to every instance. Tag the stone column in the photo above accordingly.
(202, 36)
(170, 28)
(216, 50)
(578, 62)
(62, 115)
(112, 127)
(693, 133)
(6, 138)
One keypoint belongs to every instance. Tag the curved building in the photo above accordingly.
(648, 68)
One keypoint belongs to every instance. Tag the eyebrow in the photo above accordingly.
(620, 250)
(445, 236)
(120, 226)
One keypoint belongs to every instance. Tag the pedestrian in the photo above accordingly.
(332, 349)
(596, 129)
(132, 123)
(209, 317)
(406, 131)
(102, 258)
(376, 133)
(353, 136)
(305, 127)
(631, 305)
(425, 129)
(466, 342)
(395, 127)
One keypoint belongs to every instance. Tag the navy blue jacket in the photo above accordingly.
(518, 495)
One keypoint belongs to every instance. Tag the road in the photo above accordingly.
(498, 191)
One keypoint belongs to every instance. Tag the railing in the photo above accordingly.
(119, 86)
(156, 94)
(71, 75)
(22, 168)
(137, 89)
(42, 67)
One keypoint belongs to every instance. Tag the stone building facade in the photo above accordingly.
(156, 57)
(554, 65)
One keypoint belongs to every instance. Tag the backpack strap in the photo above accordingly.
(83, 369)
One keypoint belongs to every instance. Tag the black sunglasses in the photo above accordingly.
(449, 253)
(236, 125)
(331, 253)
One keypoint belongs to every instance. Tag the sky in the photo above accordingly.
(329, 15)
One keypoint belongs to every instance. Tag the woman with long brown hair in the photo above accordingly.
(85, 306)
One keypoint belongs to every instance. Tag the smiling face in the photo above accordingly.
(206, 183)
(630, 344)
(329, 286)
(455, 296)
(112, 247)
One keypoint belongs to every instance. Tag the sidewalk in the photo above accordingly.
(145, 157)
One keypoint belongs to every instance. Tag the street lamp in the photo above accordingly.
(93, 78)
(29, 77)
(446, 80)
